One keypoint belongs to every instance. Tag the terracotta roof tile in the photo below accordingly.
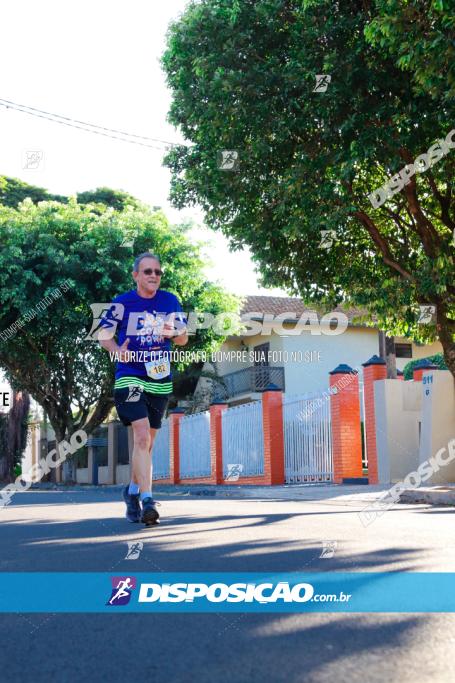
(278, 304)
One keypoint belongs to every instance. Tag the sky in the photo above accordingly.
(98, 62)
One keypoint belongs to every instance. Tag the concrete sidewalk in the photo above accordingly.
(344, 494)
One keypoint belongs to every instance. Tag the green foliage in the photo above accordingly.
(13, 191)
(13, 434)
(437, 359)
(41, 247)
(242, 76)
(419, 35)
(3, 445)
(117, 199)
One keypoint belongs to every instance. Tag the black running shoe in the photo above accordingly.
(150, 514)
(133, 508)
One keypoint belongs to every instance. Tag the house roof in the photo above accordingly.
(284, 304)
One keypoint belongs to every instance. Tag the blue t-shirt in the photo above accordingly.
(142, 322)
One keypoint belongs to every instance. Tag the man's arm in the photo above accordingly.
(171, 326)
(112, 347)
(169, 331)
(181, 340)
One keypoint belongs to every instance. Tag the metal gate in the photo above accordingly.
(307, 438)
(362, 425)
(160, 452)
(243, 439)
(195, 446)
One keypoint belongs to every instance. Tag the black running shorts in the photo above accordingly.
(133, 403)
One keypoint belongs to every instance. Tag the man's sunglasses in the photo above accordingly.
(152, 271)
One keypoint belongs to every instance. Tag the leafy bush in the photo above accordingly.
(437, 359)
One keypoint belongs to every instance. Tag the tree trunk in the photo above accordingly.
(387, 353)
(444, 326)
(448, 348)
(17, 430)
(59, 437)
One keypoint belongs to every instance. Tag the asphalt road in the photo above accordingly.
(85, 531)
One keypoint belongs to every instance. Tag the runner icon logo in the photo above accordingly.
(106, 317)
(134, 394)
(234, 471)
(227, 160)
(122, 587)
(322, 82)
(134, 550)
(328, 549)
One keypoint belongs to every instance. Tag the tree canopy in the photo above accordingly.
(420, 37)
(13, 191)
(243, 78)
(116, 199)
(81, 250)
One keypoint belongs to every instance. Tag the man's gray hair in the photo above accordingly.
(139, 258)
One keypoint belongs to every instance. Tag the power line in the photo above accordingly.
(87, 127)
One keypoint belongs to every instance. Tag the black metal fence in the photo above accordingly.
(248, 380)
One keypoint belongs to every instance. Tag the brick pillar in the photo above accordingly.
(420, 367)
(272, 422)
(112, 452)
(373, 369)
(346, 434)
(174, 444)
(216, 441)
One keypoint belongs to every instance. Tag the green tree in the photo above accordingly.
(420, 36)
(17, 430)
(243, 77)
(3, 446)
(13, 434)
(117, 199)
(54, 245)
(13, 191)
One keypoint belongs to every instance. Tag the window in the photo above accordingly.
(403, 350)
(261, 354)
(261, 370)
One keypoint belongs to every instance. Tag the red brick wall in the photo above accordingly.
(174, 453)
(216, 442)
(346, 433)
(272, 422)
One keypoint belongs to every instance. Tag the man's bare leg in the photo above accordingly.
(153, 433)
(143, 438)
(141, 469)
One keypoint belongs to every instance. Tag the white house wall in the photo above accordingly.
(321, 354)
(353, 347)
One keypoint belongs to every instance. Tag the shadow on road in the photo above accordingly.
(207, 648)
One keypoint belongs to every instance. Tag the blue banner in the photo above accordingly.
(227, 592)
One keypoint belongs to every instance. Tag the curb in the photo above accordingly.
(441, 495)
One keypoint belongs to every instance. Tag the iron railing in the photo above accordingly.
(243, 440)
(249, 380)
(195, 446)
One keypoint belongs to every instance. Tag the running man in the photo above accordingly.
(151, 318)
(107, 320)
(123, 589)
